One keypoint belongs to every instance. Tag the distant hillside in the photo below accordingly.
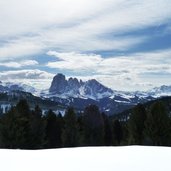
(73, 92)
(125, 114)
(13, 97)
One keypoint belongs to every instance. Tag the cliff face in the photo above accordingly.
(59, 84)
(74, 87)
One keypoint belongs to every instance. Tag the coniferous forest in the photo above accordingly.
(24, 128)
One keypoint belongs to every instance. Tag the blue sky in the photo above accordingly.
(126, 45)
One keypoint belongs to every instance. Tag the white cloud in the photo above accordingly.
(36, 78)
(80, 26)
(87, 14)
(19, 64)
(138, 71)
(77, 25)
(19, 48)
(137, 62)
(25, 74)
(31, 16)
(74, 61)
(122, 72)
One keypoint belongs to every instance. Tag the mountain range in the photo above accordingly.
(79, 94)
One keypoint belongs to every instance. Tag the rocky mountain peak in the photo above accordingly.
(73, 82)
(58, 84)
(75, 88)
(93, 88)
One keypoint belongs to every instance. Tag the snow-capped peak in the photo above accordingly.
(9, 86)
(163, 90)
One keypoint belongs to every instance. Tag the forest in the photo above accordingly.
(25, 128)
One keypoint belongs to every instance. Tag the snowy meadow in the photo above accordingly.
(131, 158)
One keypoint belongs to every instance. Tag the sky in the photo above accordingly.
(125, 45)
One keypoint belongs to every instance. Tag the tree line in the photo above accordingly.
(24, 128)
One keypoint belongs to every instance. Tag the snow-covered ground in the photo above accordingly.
(131, 158)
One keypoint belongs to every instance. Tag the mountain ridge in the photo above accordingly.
(77, 88)
(79, 94)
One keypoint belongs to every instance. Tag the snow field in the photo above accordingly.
(131, 158)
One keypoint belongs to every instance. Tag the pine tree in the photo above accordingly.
(70, 133)
(59, 130)
(51, 130)
(15, 127)
(136, 125)
(93, 126)
(157, 125)
(7, 124)
(22, 108)
(117, 132)
(108, 133)
(80, 123)
(37, 129)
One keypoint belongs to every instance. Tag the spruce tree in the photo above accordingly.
(80, 123)
(37, 129)
(93, 126)
(22, 108)
(117, 132)
(157, 126)
(51, 130)
(70, 132)
(136, 125)
(108, 133)
(15, 127)
(59, 130)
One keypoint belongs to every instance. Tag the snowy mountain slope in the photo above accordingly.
(160, 91)
(9, 86)
(11, 98)
(131, 158)
(79, 94)
(92, 89)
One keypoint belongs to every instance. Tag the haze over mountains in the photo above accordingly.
(79, 94)
(94, 90)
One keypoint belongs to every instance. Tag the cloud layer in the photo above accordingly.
(25, 74)
(19, 64)
(36, 78)
(73, 36)
(29, 27)
(133, 70)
